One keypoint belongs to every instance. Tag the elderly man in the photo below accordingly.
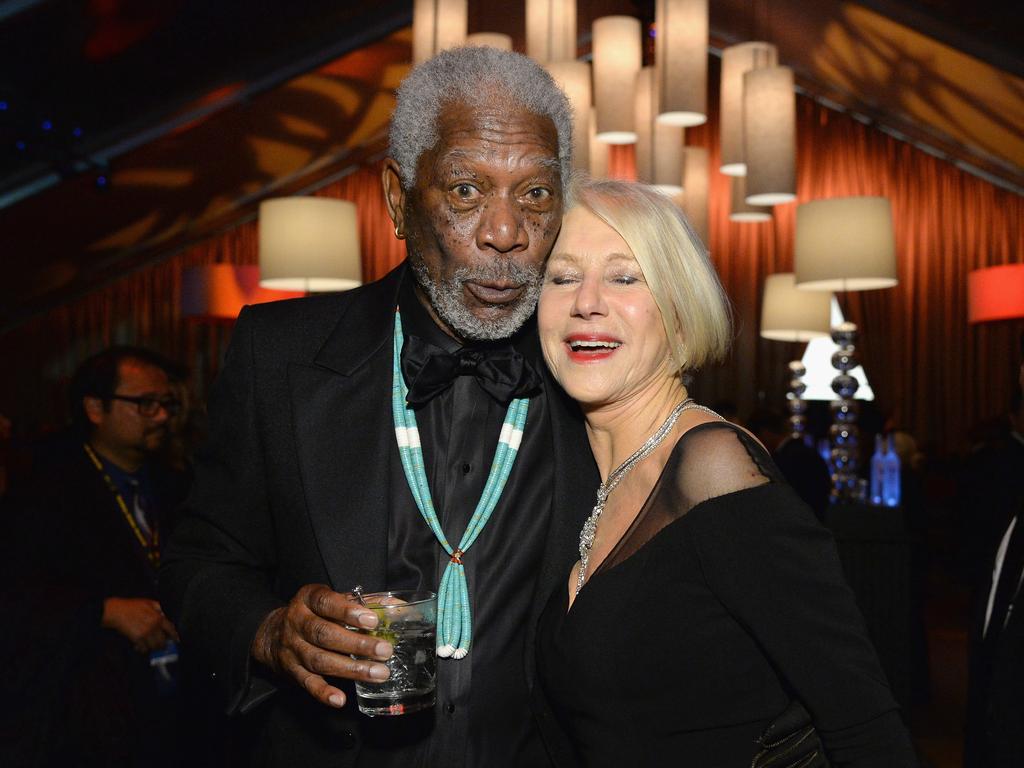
(301, 493)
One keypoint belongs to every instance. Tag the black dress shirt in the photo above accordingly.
(482, 717)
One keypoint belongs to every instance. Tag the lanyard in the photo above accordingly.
(151, 545)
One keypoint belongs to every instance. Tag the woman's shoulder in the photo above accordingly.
(716, 458)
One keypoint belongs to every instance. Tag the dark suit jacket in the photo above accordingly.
(72, 692)
(293, 489)
(991, 492)
(995, 700)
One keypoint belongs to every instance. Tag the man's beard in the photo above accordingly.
(448, 299)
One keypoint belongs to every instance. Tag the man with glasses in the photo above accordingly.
(92, 655)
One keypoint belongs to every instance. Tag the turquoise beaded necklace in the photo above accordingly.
(454, 621)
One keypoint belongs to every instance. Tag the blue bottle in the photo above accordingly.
(891, 481)
(877, 472)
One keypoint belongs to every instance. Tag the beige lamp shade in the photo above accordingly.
(309, 244)
(695, 190)
(769, 134)
(437, 25)
(219, 291)
(845, 244)
(739, 209)
(681, 59)
(737, 60)
(490, 40)
(551, 30)
(617, 60)
(598, 153)
(573, 77)
(791, 314)
(659, 146)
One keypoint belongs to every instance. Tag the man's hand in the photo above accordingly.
(140, 620)
(307, 639)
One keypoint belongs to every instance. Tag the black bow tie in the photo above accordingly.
(502, 372)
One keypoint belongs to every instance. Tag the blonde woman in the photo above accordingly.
(738, 614)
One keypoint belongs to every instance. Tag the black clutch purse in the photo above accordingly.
(790, 741)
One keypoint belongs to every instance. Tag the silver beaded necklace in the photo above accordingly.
(589, 531)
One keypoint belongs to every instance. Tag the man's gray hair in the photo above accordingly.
(473, 76)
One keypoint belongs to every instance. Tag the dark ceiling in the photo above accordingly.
(174, 87)
(85, 81)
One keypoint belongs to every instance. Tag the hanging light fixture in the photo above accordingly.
(769, 135)
(995, 293)
(739, 209)
(659, 147)
(681, 59)
(437, 25)
(737, 60)
(217, 292)
(309, 244)
(551, 30)
(617, 60)
(598, 152)
(695, 190)
(490, 40)
(573, 77)
(845, 244)
(791, 314)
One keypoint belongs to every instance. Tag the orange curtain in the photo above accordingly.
(143, 308)
(935, 374)
(932, 373)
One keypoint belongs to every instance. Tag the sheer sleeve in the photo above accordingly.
(776, 570)
(709, 460)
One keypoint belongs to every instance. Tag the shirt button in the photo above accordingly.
(450, 708)
(467, 468)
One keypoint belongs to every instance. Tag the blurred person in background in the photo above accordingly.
(801, 465)
(87, 672)
(994, 488)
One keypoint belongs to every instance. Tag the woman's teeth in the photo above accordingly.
(576, 346)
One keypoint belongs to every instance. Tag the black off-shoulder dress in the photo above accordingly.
(723, 601)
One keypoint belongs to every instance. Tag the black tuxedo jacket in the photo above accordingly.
(292, 489)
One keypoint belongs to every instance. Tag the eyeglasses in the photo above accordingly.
(150, 406)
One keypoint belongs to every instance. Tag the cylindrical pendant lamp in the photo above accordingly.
(995, 293)
(845, 244)
(737, 60)
(309, 244)
(769, 128)
(437, 25)
(659, 147)
(617, 60)
(739, 209)
(681, 58)
(551, 30)
(573, 77)
(490, 40)
(695, 190)
(598, 153)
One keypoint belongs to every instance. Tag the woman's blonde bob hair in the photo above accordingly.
(685, 286)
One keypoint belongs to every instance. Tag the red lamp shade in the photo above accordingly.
(995, 293)
(219, 291)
